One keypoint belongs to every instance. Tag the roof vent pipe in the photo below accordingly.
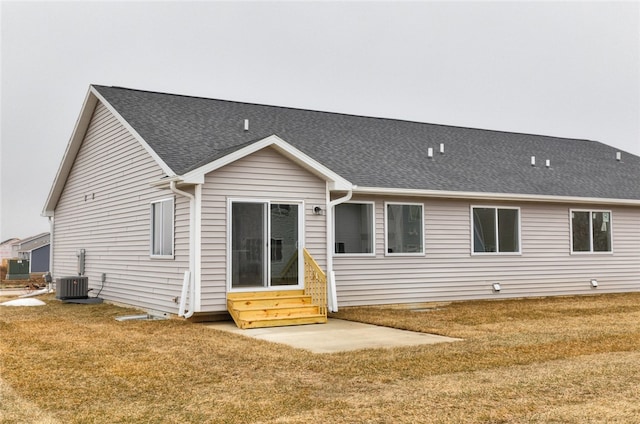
(533, 161)
(442, 148)
(618, 156)
(430, 152)
(548, 163)
(246, 125)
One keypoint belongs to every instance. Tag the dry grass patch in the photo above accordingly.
(535, 360)
(14, 409)
(35, 281)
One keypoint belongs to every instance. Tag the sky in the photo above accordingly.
(568, 69)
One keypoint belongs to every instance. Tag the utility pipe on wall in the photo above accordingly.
(332, 296)
(51, 247)
(190, 281)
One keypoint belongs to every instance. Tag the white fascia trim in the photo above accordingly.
(471, 195)
(73, 146)
(165, 168)
(336, 181)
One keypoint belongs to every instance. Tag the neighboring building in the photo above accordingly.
(35, 249)
(6, 248)
(152, 185)
(23, 247)
(38, 258)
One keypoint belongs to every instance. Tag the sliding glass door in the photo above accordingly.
(248, 242)
(265, 244)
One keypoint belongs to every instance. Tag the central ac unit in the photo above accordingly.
(72, 288)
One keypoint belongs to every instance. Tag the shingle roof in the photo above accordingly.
(32, 238)
(10, 241)
(188, 132)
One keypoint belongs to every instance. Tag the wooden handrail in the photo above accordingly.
(312, 262)
(315, 282)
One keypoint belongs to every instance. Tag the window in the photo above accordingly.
(496, 230)
(276, 250)
(404, 225)
(354, 228)
(162, 228)
(590, 231)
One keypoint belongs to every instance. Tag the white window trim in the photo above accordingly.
(173, 229)
(497, 252)
(373, 231)
(386, 228)
(590, 251)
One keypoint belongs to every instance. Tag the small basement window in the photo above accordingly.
(162, 227)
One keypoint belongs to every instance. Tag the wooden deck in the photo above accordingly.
(273, 309)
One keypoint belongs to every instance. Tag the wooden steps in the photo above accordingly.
(273, 309)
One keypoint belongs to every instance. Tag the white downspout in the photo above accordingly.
(332, 298)
(190, 280)
(51, 232)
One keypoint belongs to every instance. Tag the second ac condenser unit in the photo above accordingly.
(72, 287)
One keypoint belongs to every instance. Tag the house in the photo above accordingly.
(182, 204)
(31, 254)
(36, 250)
(6, 253)
(6, 248)
(24, 246)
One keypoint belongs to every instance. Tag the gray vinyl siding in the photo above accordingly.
(112, 172)
(448, 271)
(39, 259)
(265, 175)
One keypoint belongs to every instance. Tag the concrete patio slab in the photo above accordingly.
(335, 336)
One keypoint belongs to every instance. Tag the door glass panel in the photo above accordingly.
(284, 244)
(247, 245)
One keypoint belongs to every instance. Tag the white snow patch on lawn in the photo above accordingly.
(23, 302)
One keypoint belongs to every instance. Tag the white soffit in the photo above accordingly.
(492, 196)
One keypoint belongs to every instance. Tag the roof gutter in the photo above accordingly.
(493, 196)
(166, 182)
(332, 296)
(188, 285)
